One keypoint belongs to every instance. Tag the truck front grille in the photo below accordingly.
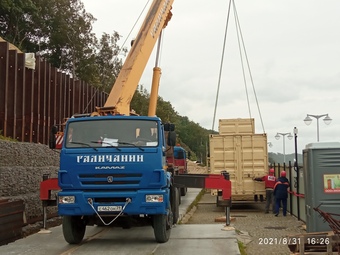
(110, 179)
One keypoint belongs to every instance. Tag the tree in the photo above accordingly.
(60, 31)
(64, 35)
(107, 61)
(17, 21)
(190, 135)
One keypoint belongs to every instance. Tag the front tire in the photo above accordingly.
(73, 229)
(162, 226)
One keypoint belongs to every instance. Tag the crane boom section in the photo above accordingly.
(127, 81)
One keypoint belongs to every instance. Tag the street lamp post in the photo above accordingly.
(296, 167)
(289, 136)
(308, 121)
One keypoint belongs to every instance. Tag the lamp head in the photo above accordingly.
(308, 120)
(290, 136)
(327, 120)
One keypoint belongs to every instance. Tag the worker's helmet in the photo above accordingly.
(271, 170)
(283, 174)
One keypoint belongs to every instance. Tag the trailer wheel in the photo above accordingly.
(175, 204)
(162, 226)
(184, 191)
(179, 196)
(73, 229)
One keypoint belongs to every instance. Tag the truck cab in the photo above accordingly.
(113, 172)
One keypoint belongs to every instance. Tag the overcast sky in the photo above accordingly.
(293, 48)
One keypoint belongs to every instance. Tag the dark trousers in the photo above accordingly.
(284, 205)
(270, 200)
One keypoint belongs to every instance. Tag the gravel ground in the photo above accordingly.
(252, 225)
(259, 232)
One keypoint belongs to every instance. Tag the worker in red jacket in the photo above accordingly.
(281, 193)
(269, 182)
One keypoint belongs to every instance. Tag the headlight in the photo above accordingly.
(154, 198)
(67, 199)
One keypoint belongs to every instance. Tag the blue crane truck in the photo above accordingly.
(114, 165)
(113, 171)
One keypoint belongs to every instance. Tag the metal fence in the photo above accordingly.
(31, 101)
(296, 200)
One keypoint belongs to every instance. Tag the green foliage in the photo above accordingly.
(17, 20)
(242, 248)
(60, 31)
(279, 158)
(190, 135)
(6, 138)
(107, 62)
(195, 202)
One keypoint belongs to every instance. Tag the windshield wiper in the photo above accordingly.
(134, 145)
(88, 145)
(109, 145)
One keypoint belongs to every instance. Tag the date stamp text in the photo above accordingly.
(294, 240)
(279, 240)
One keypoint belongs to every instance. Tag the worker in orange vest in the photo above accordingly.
(269, 183)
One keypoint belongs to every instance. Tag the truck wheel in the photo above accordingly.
(162, 226)
(175, 204)
(179, 196)
(184, 191)
(73, 229)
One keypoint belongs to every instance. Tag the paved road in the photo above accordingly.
(198, 239)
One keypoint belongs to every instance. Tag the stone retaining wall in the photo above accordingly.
(22, 166)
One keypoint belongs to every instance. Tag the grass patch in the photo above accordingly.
(197, 199)
(7, 138)
(195, 202)
(242, 248)
(238, 231)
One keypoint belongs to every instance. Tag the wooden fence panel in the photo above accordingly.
(10, 95)
(20, 98)
(3, 84)
(28, 106)
(31, 101)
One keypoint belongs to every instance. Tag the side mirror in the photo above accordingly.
(52, 139)
(169, 127)
(172, 138)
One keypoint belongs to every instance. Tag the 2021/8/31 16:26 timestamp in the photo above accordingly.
(294, 240)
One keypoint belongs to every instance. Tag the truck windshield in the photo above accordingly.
(111, 133)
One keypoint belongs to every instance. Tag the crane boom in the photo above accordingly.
(127, 81)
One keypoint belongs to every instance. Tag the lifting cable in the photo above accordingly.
(221, 65)
(239, 36)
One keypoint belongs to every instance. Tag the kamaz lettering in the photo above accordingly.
(110, 158)
(109, 167)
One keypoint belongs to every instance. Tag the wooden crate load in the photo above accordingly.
(243, 154)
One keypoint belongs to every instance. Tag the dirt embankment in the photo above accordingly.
(194, 168)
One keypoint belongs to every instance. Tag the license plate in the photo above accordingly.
(110, 208)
